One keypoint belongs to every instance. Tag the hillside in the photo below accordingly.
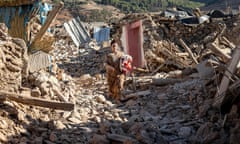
(156, 5)
(89, 11)
(234, 4)
(112, 10)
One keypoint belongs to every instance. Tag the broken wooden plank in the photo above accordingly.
(230, 44)
(134, 81)
(182, 54)
(175, 74)
(223, 29)
(157, 69)
(184, 45)
(219, 52)
(36, 101)
(221, 93)
(140, 69)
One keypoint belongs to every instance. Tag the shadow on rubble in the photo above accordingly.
(88, 61)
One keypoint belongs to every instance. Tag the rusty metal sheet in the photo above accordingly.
(132, 41)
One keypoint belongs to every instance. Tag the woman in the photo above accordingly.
(115, 68)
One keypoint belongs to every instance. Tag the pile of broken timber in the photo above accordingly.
(208, 48)
(230, 81)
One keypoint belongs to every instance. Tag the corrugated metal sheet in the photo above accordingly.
(132, 41)
(101, 34)
(16, 19)
(77, 31)
(39, 60)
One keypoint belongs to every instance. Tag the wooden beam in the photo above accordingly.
(184, 45)
(219, 52)
(220, 95)
(36, 101)
(223, 29)
(230, 44)
(157, 69)
(52, 15)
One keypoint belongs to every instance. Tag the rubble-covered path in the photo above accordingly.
(178, 113)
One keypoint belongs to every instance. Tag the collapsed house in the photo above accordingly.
(170, 44)
(24, 47)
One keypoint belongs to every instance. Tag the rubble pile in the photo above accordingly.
(178, 102)
(180, 112)
(170, 59)
(88, 59)
(23, 123)
(180, 106)
(48, 86)
(163, 34)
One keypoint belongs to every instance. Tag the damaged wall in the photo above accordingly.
(13, 60)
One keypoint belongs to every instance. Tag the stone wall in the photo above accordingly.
(13, 60)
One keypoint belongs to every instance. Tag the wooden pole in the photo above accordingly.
(219, 52)
(36, 101)
(52, 15)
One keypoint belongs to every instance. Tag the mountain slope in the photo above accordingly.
(222, 5)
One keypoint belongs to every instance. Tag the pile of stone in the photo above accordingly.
(20, 123)
(47, 86)
(162, 35)
(208, 48)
